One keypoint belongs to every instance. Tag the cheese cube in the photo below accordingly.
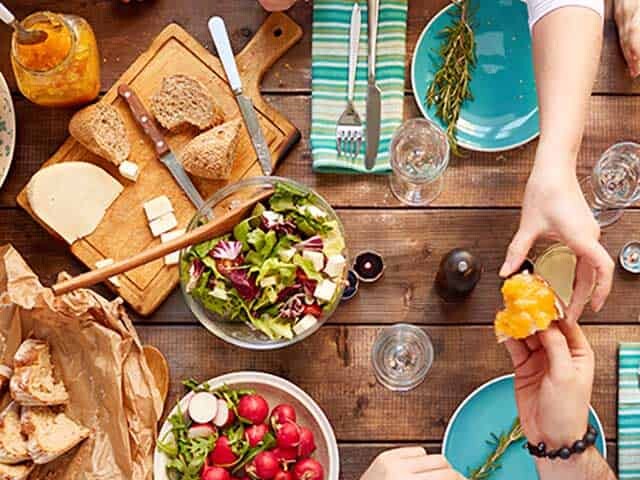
(129, 170)
(335, 265)
(314, 211)
(163, 224)
(287, 254)
(157, 207)
(219, 292)
(115, 281)
(172, 235)
(325, 290)
(305, 323)
(317, 258)
(172, 258)
(272, 217)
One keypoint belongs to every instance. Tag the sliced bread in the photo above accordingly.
(99, 127)
(50, 433)
(15, 472)
(13, 446)
(211, 154)
(33, 382)
(182, 101)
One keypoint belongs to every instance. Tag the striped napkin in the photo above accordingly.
(629, 411)
(330, 47)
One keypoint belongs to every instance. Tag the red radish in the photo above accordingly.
(200, 430)
(223, 414)
(255, 433)
(203, 407)
(266, 465)
(307, 443)
(215, 473)
(282, 475)
(222, 455)
(282, 414)
(288, 435)
(254, 408)
(285, 455)
(308, 469)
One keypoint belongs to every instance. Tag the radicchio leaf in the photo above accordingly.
(311, 243)
(244, 284)
(195, 272)
(226, 250)
(293, 308)
(308, 284)
(287, 292)
(277, 224)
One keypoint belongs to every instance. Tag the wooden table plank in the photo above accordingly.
(412, 243)
(477, 180)
(357, 406)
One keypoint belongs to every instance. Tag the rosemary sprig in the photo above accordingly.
(450, 87)
(501, 444)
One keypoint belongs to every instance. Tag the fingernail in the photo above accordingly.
(504, 271)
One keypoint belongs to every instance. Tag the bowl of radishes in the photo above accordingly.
(246, 426)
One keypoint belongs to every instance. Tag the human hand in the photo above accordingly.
(553, 382)
(555, 208)
(411, 463)
(627, 15)
(276, 5)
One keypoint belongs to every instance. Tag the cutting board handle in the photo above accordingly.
(272, 40)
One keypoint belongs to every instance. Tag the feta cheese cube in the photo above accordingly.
(272, 217)
(287, 254)
(314, 211)
(268, 281)
(219, 292)
(335, 265)
(163, 224)
(172, 258)
(305, 323)
(129, 170)
(115, 281)
(325, 290)
(157, 207)
(172, 235)
(317, 258)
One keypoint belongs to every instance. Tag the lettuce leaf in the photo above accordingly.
(307, 266)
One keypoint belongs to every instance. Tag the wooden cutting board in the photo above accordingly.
(124, 230)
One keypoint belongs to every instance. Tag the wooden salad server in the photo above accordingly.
(214, 228)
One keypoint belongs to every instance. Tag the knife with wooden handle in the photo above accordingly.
(165, 154)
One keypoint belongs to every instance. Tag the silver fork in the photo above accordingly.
(350, 133)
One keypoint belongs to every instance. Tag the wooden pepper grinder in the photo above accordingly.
(458, 275)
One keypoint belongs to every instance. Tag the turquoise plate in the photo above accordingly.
(504, 111)
(492, 409)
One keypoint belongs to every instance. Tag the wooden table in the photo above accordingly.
(477, 210)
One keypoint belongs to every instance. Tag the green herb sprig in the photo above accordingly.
(501, 444)
(450, 87)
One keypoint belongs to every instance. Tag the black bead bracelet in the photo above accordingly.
(579, 446)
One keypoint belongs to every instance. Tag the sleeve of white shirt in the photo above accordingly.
(539, 8)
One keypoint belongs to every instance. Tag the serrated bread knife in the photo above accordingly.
(166, 156)
(218, 31)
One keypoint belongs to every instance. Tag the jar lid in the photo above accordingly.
(352, 286)
(369, 266)
(629, 257)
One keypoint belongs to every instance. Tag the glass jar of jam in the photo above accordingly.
(62, 71)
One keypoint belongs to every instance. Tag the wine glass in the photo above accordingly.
(419, 154)
(614, 183)
(402, 356)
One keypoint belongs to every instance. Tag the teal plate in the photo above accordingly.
(492, 409)
(504, 111)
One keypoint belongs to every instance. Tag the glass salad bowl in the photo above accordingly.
(277, 276)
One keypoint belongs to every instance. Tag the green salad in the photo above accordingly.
(277, 271)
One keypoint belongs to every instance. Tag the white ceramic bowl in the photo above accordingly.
(275, 390)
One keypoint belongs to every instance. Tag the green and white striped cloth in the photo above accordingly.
(628, 412)
(330, 46)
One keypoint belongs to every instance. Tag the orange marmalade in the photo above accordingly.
(64, 70)
(530, 306)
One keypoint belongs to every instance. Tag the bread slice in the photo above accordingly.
(50, 433)
(184, 101)
(16, 472)
(33, 382)
(99, 127)
(13, 446)
(211, 154)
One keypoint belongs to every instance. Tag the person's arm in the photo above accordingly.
(627, 15)
(410, 463)
(566, 51)
(588, 466)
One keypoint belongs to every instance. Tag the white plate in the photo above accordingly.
(275, 390)
(7, 130)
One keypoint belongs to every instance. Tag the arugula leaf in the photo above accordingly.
(192, 385)
(268, 442)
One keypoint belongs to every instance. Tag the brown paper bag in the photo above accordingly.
(98, 354)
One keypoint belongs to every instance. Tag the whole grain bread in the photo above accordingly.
(13, 446)
(184, 100)
(211, 154)
(16, 472)
(100, 128)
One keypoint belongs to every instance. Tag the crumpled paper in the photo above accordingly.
(98, 354)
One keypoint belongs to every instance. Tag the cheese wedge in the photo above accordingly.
(72, 197)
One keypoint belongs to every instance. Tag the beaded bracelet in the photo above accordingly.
(579, 446)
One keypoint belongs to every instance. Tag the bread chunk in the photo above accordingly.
(13, 446)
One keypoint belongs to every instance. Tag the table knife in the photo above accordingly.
(373, 92)
(165, 155)
(220, 36)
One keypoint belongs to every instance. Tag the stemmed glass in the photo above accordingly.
(419, 155)
(614, 183)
